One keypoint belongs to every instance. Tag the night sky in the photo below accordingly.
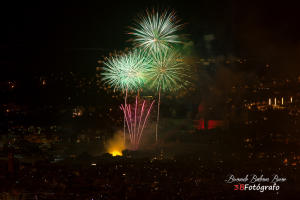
(46, 36)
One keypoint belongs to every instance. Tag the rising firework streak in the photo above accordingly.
(136, 117)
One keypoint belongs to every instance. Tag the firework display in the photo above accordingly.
(154, 64)
(136, 117)
(156, 31)
(161, 100)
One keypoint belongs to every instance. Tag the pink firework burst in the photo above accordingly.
(136, 117)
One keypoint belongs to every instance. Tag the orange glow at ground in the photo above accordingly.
(116, 153)
(115, 145)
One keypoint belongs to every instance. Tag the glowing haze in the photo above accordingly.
(115, 146)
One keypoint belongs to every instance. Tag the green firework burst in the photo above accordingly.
(126, 71)
(168, 71)
(156, 31)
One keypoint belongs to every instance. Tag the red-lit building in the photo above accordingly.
(205, 123)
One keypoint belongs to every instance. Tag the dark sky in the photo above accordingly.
(59, 36)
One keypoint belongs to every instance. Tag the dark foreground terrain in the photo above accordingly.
(175, 170)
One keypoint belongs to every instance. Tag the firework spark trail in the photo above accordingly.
(125, 102)
(130, 119)
(142, 111)
(145, 121)
(126, 119)
(136, 120)
(135, 110)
